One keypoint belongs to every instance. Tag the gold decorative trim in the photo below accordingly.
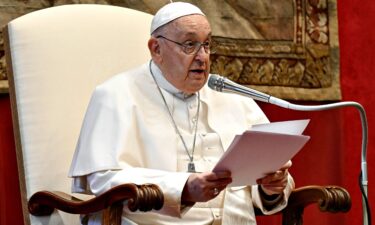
(4, 87)
(305, 68)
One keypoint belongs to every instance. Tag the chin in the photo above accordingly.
(196, 87)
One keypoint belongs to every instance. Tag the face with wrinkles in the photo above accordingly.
(187, 72)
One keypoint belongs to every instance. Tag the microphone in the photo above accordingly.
(222, 84)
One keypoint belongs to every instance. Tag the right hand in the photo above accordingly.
(202, 187)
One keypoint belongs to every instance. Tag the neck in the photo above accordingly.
(165, 84)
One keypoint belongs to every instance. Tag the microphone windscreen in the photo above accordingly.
(215, 82)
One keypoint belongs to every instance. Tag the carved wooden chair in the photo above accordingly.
(55, 58)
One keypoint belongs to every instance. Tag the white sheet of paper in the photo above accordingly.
(293, 127)
(263, 149)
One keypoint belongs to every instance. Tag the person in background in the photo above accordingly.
(160, 123)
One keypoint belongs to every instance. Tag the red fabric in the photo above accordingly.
(357, 66)
(332, 156)
(10, 202)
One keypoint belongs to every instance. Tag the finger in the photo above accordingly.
(273, 179)
(220, 175)
(287, 165)
(221, 184)
(280, 183)
(276, 176)
(277, 172)
(216, 190)
(283, 169)
(273, 190)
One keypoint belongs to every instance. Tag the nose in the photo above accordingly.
(201, 54)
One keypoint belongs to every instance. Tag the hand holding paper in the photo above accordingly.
(262, 150)
(276, 182)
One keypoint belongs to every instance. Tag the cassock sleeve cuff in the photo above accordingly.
(271, 206)
(172, 189)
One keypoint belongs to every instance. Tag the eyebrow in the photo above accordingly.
(193, 34)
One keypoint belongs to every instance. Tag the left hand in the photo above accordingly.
(275, 183)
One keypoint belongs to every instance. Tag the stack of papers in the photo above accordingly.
(263, 149)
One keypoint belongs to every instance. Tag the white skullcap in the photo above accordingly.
(172, 11)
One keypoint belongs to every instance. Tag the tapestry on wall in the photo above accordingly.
(287, 48)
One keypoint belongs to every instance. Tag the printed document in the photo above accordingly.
(263, 149)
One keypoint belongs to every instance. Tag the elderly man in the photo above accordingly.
(161, 124)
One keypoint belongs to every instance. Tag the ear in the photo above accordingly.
(154, 47)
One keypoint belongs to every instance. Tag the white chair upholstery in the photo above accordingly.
(56, 57)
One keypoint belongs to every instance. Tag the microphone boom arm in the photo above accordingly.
(222, 84)
(362, 113)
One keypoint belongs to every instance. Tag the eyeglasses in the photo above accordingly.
(192, 47)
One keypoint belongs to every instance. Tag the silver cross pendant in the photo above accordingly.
(191, 167)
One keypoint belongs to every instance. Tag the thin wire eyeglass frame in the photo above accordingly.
(207, 46)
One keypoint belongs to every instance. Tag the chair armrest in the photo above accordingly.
(140, 197)
(328, 198)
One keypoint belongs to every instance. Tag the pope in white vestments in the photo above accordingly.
(146, 126)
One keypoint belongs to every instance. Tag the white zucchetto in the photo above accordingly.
(172, 11)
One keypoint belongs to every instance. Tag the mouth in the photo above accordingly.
(198, 71)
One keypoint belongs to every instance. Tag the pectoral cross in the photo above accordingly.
(191, 167)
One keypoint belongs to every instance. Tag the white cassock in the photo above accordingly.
(128, 137)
